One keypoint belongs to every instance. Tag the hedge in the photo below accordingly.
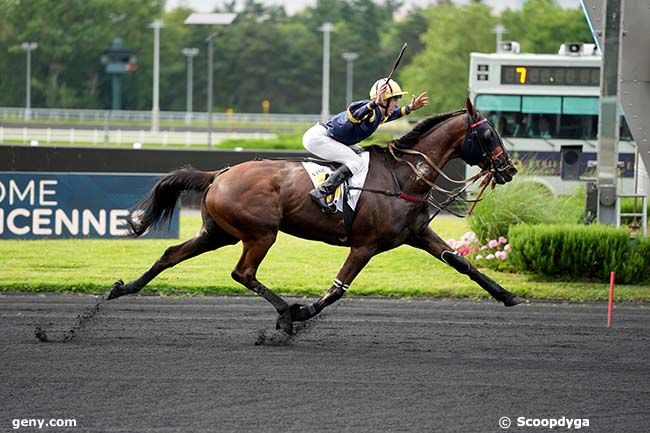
(580, 252)
(523, 202)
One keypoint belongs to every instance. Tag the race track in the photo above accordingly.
(150, 364)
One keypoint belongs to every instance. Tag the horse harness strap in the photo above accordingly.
(397, 189)
(392, 148)
(422, 177)
(451, 195)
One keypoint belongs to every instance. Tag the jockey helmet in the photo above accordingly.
(394, 89)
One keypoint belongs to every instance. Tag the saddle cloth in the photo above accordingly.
(318, 173)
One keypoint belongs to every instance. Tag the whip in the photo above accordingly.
(399, 57)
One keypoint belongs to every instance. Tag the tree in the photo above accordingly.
(542, 25)
(409, 29)
(441, 69)
(264, 54)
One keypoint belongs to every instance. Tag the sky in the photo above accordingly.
(293, 6)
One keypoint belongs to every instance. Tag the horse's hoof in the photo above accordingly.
(118, 289)
(513, 300)
(284, 323)
(300, 312)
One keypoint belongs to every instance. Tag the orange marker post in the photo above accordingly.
(612, 277)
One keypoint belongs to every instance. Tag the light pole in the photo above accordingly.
(349, 58)
(210, 19)
(189, 53)
(210, 87)
(155, 108)
(499, 29)
(326, 28)
(28, 47)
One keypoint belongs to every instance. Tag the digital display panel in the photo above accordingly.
(550, 75)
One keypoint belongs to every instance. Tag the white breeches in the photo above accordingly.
(318, 142)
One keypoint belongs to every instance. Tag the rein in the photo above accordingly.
(421, 176)
(430, 201)
(451, 195)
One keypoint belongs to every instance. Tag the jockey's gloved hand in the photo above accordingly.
(417, 102)
(381, 95)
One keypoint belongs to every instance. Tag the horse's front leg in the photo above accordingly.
(430, 242)
(357, 259)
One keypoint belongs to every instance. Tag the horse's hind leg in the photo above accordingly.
(246, 273)
(203, 242)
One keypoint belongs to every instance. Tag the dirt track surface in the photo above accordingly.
(149, 364)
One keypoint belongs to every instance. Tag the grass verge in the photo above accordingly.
(293, 266)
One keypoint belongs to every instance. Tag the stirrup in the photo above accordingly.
(321, 201)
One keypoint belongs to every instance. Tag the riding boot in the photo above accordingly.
(319, 195)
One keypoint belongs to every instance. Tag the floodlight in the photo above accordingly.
(210, 19)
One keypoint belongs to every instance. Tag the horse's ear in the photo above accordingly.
(470, 107)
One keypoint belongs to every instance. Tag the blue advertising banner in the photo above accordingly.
(73, 205)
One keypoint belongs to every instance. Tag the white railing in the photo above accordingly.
(118, 137)
(95, 116)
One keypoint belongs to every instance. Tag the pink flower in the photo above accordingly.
(451, 243)
(463, 251)
(489, 257)
(503, 240)
(469, 237)
(507, 247)
(493, 243)
(501, 255)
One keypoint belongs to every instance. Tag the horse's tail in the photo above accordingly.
(158, 206)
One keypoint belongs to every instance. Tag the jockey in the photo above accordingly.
(336, 140)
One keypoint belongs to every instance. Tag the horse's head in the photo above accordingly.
(483, 147)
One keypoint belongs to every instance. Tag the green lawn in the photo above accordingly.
(293, 266)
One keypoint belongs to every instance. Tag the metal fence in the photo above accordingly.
(181, 117)
(118, 137)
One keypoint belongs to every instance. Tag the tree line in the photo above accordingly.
(264, 53)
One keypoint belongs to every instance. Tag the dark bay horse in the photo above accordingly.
(252, 201)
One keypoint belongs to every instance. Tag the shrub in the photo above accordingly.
(523, 201)
(576, 251)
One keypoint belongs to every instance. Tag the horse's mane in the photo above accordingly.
(411, 138)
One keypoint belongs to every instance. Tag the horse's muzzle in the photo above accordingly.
(503, 171)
